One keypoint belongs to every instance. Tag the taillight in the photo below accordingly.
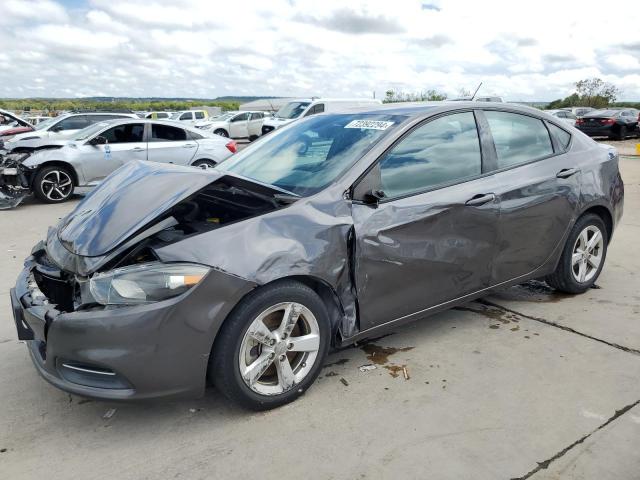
(608, 121)
(232, 146)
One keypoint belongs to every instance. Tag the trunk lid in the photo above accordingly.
(132, 198)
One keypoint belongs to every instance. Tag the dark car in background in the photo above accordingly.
(330, 230)
(615, 124)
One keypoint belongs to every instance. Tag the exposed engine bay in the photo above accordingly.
(225, 201)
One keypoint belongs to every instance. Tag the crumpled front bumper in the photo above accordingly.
(14, 184)
(138, 352)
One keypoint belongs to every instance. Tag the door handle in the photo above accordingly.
(567, 172)
(188, 145)
(480, 199)
(138, 149)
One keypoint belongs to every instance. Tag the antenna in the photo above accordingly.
(474, 93)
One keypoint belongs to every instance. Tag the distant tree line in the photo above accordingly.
(393, 96)
(56, 105)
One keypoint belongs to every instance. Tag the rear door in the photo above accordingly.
(239, 126)
(255, 123)
(169, 144)
(125, 143)
(433, 236)
(538, 188)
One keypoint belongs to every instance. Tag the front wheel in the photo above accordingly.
(53, 184)
(204, 164)
(583, 256)
(272, 346)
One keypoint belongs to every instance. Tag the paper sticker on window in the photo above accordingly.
(369, 124)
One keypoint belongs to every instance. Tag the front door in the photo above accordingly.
(124, 143)
(168, 144)
(432, 237)
(538, 186)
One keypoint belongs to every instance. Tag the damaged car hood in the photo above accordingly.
(125, 203)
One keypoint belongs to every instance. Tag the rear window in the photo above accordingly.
(518, 138)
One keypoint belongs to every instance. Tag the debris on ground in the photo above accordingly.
(367, 368)
(405, 373)
(344, 382)
(109, 413)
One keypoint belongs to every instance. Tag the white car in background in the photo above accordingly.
(9, 121)
(64, 125)
(304, 107)
(235, 124)
(52, 168)
(192, 116)
(565, 115)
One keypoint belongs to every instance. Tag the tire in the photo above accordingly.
(204, 164)
(568, 276)
(253, 137)
(622, 133)
(222, 132)
(53, 184)
(235, 348)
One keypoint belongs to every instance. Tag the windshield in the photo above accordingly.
(292, 110)
(307, 156)
(46, 123)
(90, 130)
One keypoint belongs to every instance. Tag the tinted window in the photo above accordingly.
(186, 116)
(165, 133)
(442, 151)
(240, 118)
(199, 115)
(72, 123)
(563, 137)
(518, 138)
(195, 136)
(129, 133)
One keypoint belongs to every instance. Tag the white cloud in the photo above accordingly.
(200, 48)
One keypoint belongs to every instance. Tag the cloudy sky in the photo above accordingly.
(209, 48)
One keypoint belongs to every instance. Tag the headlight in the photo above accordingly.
(145, 283)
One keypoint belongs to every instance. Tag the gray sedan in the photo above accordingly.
(327, 231)
(52, 168)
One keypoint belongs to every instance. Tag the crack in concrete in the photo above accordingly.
(544, 465)
(561, 327)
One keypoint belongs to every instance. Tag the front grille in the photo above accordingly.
(55, 284)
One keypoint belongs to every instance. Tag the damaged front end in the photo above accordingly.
(15, 176)
(14, 179)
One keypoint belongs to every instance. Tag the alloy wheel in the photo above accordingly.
(56, 185)
(279, 348)
(587, 254)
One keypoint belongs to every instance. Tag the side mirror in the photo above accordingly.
(373, 197)
(99, 140)
(369, 189)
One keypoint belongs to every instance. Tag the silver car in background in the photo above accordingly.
(52, 168)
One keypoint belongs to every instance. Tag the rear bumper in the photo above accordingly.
(599, 131)
(138, 352)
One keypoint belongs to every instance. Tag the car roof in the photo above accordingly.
(418, 109)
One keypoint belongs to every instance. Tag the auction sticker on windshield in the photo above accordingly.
(369, 124)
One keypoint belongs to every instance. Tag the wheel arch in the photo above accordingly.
(57, 163)
(223, 129)
(604, 213)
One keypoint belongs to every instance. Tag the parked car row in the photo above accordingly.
(52, 168)
(615, 124)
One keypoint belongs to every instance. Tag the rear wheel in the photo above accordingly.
(53, 184)
(204, 164)
(583, 256)
(272, 347)
(221, 132)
